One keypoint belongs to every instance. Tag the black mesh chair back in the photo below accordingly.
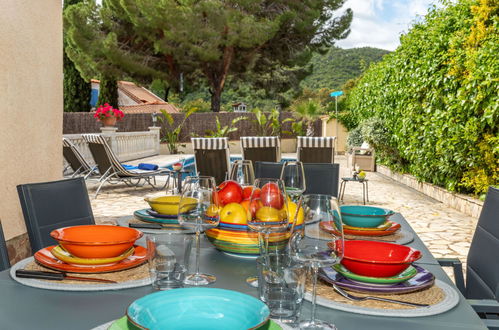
(50, 205)
(100, 156)
(322, 178)
(482, 279)
(212, 157)
(72, 160)
(261, 148)
(270, 170)
(4, 254)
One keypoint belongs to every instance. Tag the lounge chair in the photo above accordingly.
(76, 161)
(315, 149)
(261, 148)
(212, 157)
(113, 171)
(50, 205)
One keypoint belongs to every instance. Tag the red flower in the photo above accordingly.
(106, 111)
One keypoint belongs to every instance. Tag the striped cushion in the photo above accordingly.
(66, 142)
(210, 143)
(260, 141)
(316, 142)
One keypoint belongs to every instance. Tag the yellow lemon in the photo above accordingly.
(292, 212)
(267, 213)
(234, 213)
(213, 210)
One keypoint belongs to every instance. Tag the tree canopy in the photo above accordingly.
(204, 42)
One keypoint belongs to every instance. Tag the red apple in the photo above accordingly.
(248, 190)
(229, 192)
(272, 196)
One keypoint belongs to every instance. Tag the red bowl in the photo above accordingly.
(96, 241)
(378, 259)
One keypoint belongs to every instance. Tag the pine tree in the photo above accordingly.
(208, 42)
(108, 91)
(76, 89)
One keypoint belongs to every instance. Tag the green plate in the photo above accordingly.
(123, 324)
(407, 274)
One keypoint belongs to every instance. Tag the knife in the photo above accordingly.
(23, 273)
(145, 225)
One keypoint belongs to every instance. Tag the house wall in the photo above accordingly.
(32, 102)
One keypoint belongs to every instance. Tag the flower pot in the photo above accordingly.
(109, 121)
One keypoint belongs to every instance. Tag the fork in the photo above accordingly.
(357, 298)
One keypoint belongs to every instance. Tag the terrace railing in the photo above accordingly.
(126, 145)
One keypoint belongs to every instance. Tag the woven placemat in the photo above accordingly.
(129, 278)
(441, 297)
(400, 237)
(430, 296)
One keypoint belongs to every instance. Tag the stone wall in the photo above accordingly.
(467, 205)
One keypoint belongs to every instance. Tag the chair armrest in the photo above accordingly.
(487, 306)
(457, 267)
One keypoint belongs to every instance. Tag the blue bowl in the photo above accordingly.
(198, 308)
(364, 216)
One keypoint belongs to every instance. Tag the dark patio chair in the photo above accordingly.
(76, 160)
(482, 270)
(50, 205)
(270, 170)
(4, 254)
(315, 149)
(111, 169)
(322, 178)
(261, 148)
(212, 157)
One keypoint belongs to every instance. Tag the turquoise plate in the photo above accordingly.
(407, 274)
(198, 308)
(145, 216)
(124, 324)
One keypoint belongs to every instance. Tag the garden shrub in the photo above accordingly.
(438, 96)
(355, 138)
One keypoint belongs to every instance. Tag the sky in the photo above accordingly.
(379, 23)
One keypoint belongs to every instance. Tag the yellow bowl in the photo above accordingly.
(68, 258)
(168, 205)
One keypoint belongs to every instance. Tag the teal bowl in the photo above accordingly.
(198, 308)
(364, 216)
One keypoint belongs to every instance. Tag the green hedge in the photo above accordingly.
(438, 97)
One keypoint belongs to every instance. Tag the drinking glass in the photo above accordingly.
(242, 172)
(293, 176)
(318, 253)
(198, 209)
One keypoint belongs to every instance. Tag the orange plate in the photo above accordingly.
(326, 226)
(45, 257)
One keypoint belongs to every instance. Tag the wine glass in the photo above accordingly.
(293, 176)
(268, 211)
(318, 253)
(242, 172)
(199, 209)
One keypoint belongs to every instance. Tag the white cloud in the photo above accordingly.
(379, 23)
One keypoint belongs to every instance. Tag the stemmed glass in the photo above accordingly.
(242, 172)
(268, 211)
(293, 176)
(199, 209)
(318, 253)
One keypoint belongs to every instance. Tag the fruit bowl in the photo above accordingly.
(364, 216)
(167, 205)
(96, 241)
(377, 259)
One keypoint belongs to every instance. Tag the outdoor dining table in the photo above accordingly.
(23, 307)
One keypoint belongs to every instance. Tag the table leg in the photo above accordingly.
(364, 192)
(342, 190)
(179, 182)
(367, 191)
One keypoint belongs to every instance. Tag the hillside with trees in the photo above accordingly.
(333, 69)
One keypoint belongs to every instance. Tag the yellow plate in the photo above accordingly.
(68, 258)
(385, 225)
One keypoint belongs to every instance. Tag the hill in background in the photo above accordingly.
(337, 66)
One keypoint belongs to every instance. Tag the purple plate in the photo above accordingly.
(423, 279)
(159, 215)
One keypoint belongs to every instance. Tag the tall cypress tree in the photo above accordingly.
(76, 89)
(108, 91)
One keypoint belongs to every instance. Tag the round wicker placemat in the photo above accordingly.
(441, 297)
(400, 237)
(129, 278)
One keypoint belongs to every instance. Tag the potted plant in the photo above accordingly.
(108, 115)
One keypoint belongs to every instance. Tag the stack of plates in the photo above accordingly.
(386, 228)
(151, 216)
(55, 257)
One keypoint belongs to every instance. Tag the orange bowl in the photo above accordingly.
(96, 241)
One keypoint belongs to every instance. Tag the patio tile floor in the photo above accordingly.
(447, 232)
